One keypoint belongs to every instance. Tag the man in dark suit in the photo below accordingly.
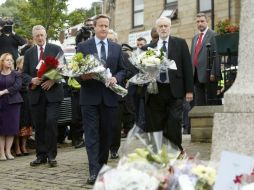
(163, 111)
(45, 98)
(99, 103)
(203, 72)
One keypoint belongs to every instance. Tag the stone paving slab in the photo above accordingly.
(72, 170)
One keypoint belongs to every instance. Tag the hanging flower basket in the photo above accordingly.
(227, 44)
(227, 39)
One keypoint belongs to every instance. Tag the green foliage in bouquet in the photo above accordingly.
(162, 158)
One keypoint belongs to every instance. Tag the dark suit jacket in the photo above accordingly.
(56, 93)
(181, 80)
(93, 92)
(16, 83)
(202, 61)
(10, 44)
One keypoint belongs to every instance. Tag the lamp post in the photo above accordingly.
(212, 14)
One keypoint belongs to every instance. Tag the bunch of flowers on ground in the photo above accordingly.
(144, 164)
(192, 175)
(80, 65)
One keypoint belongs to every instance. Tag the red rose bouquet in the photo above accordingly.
(49, 69)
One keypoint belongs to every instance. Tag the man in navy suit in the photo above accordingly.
(163, 111)
(45, 98)
(99, 103)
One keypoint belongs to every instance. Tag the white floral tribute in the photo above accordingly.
(149, 64)
(91, 64)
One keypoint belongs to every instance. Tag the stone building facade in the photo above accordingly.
(184, 25)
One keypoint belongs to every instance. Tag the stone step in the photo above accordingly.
(201, 118)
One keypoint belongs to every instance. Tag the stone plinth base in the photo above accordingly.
(232, 132)
(201, 118)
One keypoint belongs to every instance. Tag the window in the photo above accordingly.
(170, 9)
(204, 5)
(138, 13)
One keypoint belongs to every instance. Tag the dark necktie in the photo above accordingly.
(41, 53)
(164, 48)
(103, 51)
(197, 48)
(163, 74)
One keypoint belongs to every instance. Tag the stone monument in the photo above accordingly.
(233, 129)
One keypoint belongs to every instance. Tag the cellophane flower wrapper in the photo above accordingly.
(144, 165)
(92, 64)
(79, 65)
(149, 63)
(193, 174)
(149, 147)
(135, 175)
(104, 76)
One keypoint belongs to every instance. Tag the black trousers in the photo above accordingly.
(125, 120)
(44, 118)
(76, 127)
(205, 93)
(164, 113)
(99, 122)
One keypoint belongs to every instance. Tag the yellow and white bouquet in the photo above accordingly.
(80, 65)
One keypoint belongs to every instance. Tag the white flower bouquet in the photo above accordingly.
(91, 64)
(141, 176)
(144, 164)
(149, 64)
(79, 65)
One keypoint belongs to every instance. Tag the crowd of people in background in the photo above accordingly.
(100, 118)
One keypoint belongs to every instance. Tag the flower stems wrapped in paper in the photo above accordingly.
(149, 64)
(90, 64)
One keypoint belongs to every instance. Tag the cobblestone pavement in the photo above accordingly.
(72, 170)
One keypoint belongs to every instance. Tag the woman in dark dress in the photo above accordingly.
(25, 115)
(10, 102)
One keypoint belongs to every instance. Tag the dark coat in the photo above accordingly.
(181, 80)
(94, 92)
(10, 44)
(56, 93)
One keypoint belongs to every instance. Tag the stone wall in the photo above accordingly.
(184, 26)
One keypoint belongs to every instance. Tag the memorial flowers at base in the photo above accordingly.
(193, 175)
(80, 65)
(145, 164)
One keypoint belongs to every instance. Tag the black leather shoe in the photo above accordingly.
(91, 180)
(38, 162)
(80, 144)
(114, 155)
(52, 163)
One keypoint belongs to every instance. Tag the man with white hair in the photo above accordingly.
(163, 111)
(45, 98)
